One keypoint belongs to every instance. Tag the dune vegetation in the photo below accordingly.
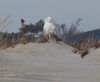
(33, 33)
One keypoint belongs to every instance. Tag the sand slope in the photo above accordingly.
(48, 62)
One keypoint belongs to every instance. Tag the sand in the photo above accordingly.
(48, 62)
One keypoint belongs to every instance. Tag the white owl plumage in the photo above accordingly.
(50, 27)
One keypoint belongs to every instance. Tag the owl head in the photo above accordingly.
(49, 19)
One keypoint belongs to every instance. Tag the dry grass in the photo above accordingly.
(6, 42)
(83, 46)
(97, 44)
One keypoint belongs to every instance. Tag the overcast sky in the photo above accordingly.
(63, 11)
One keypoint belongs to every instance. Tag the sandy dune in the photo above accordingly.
(48, 62)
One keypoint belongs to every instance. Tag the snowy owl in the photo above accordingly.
(49, 28)
(52, 30)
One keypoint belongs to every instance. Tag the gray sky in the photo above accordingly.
(63, 11)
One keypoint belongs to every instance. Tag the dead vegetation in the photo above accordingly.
(11, 39)
(84, 45)
(97, 44)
